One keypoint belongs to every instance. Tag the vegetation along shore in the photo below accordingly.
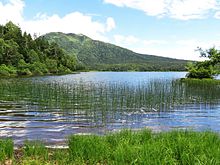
(125, 147)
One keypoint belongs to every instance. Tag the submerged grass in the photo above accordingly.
(126, 147)
(89, 97)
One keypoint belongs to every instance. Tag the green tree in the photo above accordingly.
(33, 56)
(21, 54)
(11, 55)
(207, 68)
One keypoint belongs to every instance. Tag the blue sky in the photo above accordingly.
(171, 28)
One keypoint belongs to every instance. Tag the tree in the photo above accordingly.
(207, 68)
(22, 55)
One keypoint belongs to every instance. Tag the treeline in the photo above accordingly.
(139, 67)
(20, 54)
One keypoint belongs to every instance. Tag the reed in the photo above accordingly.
(103, 101)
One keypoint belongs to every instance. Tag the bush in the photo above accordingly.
(38, 68)
(51, 65)
(199, 71)
(24, 72)
(63, 70)
(7, 70)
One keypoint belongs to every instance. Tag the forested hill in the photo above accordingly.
(20, 54)
(104, 56)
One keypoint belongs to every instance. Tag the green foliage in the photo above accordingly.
(35, 149)
(205, 69)
(7, 70)
(22, 55)
(6, 149)
(52, 65)
(38, 68)
(126, 147)
(62, 69)
(97, 55)
(200, 70)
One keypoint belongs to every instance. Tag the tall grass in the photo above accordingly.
(6, 149)
(128, 147)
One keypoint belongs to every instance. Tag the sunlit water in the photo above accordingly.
(52, 108)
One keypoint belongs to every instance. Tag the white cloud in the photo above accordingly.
(177, 52)
(125, 40)
(11, 11)
(42, 23)
(110, 24)
(191, 9)
(75, 22)
(178, 9)
(173, 48)
(150, 7)
(217, 15)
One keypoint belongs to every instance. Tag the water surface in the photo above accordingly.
(53, 107)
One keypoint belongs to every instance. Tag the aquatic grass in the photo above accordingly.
(6, 149)
(104, 103)
(155, 95)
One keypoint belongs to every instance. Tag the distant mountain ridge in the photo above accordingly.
(105, 56)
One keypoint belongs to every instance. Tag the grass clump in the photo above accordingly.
(6, 149)
(125, 147)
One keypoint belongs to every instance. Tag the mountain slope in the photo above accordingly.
(104, 56)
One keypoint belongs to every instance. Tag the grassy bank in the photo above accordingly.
(126, 147)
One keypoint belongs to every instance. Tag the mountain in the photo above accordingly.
(105, 56)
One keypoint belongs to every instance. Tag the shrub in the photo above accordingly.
(7, 70)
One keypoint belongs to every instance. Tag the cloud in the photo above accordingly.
(125, 40)
(132, 40)
(217, 15)
(11, 11)
(43, 23)
(150, 7)
(191, 9)
(178, 9)
(75, 22)
(177, 52)
(174, 48)
(110, 24)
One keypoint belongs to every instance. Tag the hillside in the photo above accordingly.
(21, 55)
(104, 56)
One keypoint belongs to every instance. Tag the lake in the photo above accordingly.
(51, 108)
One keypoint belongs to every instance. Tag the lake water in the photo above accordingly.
(53, 107)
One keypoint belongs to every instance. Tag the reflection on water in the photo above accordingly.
(52, 108)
